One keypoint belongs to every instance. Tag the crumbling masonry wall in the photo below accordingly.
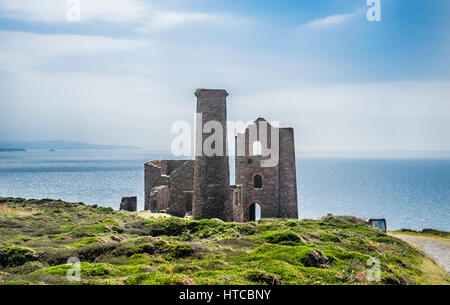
(159, 198)
(128, 204)
(181, 185)
(166, 184)
(237, 198)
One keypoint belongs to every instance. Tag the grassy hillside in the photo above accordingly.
(38, 236)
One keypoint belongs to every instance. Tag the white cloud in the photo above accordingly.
(21, 50)
(102, 108)
(56, 10)
(358, 116)
(168, 19)
(61, 86)
(139, 14)
(54, 88)
(327, 21)
(66, 44)
(115, 10)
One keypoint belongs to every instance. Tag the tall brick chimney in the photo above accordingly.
(211, 173)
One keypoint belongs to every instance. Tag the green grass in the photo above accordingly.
(85, 241)
(424, 232)
(37, 237)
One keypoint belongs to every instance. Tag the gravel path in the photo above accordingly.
(437, 249)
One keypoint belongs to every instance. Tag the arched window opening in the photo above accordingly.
(257, 182)
(255, 212)
(257, 148)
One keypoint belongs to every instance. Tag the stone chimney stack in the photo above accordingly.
(211, 172)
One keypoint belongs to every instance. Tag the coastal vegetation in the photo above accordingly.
(37, 237)
(424, 232)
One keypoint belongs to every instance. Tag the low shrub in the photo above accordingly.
(174, 250)
(436, 232)
(171, 226)
(11, 256)
(91, 252)
(140, 249)
(263, 277)
(329, 237)
(86, 241)
(180, 250)
(296, 255)
(86, 269)
(275, 237)
(149, 279)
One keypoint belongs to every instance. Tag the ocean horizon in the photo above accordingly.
(408, 189)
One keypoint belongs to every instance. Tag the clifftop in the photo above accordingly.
(116, 247)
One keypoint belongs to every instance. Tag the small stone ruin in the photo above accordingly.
(129, 204)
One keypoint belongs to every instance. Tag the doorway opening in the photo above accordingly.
(188, 196)
(255, 212)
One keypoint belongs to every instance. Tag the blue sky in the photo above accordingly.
(128, 70)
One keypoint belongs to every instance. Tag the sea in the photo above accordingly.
(408, 191)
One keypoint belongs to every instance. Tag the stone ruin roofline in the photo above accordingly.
(152, 162)
(211, 93)
(257, 120)
(176, 169)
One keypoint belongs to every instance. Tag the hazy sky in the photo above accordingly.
(129, 69)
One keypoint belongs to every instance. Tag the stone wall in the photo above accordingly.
(159, 173)
(211, 173)
(129, 204)
(288, 178)
(169, 166)
(237, 197)
(181, 185)
(159, 198)
(152, 177)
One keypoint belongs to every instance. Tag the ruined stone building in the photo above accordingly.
(273, 188)
(129, 204)
(201, 187)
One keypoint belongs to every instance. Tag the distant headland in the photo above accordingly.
(24, 145)
(11, 149)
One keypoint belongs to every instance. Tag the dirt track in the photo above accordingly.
(436, 248)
